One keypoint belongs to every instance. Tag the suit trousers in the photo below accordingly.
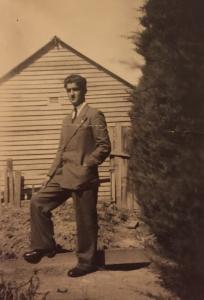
(42, 229)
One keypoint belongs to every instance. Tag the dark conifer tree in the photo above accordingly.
(168, 134)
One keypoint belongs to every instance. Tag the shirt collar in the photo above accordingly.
(79, 108)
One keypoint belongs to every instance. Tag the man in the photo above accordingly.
(84, 144)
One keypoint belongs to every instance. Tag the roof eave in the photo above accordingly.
(50, 45)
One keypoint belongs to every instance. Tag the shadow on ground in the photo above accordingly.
(126, 267)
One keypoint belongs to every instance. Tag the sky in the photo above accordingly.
(97, 29)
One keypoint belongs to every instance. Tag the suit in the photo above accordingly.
(83, 145)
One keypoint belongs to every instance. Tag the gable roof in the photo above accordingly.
(56, 42)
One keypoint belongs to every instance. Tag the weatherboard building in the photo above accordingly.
(34, 102)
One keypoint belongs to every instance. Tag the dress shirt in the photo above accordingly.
(76, 111)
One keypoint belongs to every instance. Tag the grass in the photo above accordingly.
(29, 290)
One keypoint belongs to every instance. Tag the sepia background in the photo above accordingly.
(98, 29)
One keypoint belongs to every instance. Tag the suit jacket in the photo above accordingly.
(84, 144)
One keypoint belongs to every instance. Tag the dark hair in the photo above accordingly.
(78, 79)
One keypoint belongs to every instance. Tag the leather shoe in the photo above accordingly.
(34, 256)
(77, 272)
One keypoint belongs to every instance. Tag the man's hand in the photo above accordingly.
(46, 180)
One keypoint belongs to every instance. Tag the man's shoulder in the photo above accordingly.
(92, 111)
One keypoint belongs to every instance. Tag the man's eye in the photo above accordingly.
(74, 89)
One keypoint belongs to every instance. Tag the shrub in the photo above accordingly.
(168, 130)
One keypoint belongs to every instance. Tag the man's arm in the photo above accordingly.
(102, 140)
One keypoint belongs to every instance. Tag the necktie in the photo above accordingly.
(74, 114)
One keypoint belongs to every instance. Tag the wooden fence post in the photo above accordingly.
(122, 189)
(113, 183)
(17, 188)
(118, 164)
(10, 181)
(12, 185)
(7, 175)
(6, 189)
(124, 162)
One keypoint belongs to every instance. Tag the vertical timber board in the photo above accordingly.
(128, 197)
(132, 203)
(113, 181)
(11, 187)
(118, 187)
(126, 137)
(17, 188)
(124, 163)
(6, 188)
(118, 163)
(130, 200)
(112, 165)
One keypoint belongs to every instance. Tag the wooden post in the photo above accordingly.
(130, 203)
(118, 166)
(6, 188)
(124, 182)
(112, 164)
(113, 183)
(9, 183)
(9, 165)
(11, 187)
(17, 188)
(131, 200)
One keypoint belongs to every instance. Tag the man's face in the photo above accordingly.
(75, 94)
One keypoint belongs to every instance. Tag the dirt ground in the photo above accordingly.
(48, 279)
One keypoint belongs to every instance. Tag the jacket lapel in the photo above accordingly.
(74, 127)
(82, 115)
